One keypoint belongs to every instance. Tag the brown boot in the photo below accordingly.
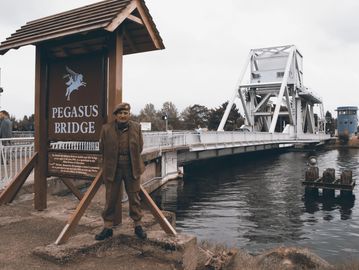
(105, 233)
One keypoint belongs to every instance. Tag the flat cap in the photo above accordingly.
(122, 107)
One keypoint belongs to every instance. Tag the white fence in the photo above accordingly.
(14, 153)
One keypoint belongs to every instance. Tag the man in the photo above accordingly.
(6, 125)
(121, 145)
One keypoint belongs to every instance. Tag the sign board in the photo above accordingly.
(145, 126)
(74, 165)
(76, 101)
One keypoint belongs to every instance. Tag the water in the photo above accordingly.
(256, 202)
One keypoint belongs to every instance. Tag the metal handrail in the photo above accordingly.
(15, 152)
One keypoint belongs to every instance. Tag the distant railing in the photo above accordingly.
(22, 134)
(15, 152)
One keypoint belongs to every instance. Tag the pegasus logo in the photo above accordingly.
(75, 81)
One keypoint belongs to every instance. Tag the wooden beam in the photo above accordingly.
(10, 192)
(41, 139)
(72, 188)
(135, 19)
(156, 212)
(121, 17)
(80, 210)
(115, 73)
(129, 40)
(148, 24)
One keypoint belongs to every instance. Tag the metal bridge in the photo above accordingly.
(273, 96)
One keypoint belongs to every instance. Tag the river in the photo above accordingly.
(257, 202)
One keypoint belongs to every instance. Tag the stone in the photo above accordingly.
(290, 258)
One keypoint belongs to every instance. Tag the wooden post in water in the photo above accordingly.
(329, 177)
(346, 178)
(311, 175)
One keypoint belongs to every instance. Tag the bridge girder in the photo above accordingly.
(271, 92)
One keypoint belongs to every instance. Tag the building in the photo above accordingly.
(347, 121)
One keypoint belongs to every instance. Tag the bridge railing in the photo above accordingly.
(307, 136)
(15, 152)
(239, 137)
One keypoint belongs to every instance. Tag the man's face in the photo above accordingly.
(123, 116)
(2, 116)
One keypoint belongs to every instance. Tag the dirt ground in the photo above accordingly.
(22, 229)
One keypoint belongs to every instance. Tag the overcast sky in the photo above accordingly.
(207, 42)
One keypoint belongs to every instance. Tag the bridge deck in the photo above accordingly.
(15, 152)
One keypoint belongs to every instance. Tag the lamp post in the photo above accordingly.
(165, 117)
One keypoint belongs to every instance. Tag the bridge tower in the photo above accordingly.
(272, 93)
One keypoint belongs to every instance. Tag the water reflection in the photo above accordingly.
(257, 202)
(342, 203)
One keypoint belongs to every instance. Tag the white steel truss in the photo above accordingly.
(273, 97)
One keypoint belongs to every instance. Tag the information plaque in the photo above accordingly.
(74, 165)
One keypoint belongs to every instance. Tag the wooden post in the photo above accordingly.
(72, 188)
(115, 59)
(114, 97)
(80, 210)
(157, 213)
(41, 139)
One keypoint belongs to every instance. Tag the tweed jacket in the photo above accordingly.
(109, 149)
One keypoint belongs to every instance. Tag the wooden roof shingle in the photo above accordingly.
(106, 15)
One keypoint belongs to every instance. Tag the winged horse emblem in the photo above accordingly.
(75, 81)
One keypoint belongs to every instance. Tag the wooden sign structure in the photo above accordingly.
(78, 83)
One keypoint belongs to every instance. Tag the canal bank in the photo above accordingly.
(256, 202)
(262, 212)
(26, 233)
(27, 236)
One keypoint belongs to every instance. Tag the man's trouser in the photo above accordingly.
(112, 212)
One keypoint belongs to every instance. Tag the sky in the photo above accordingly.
(206, 42)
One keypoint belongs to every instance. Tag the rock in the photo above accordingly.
(291, 258)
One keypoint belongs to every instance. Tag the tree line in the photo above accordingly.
(27, 123)
(190, 118)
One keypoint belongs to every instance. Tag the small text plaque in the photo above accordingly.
(74, 165)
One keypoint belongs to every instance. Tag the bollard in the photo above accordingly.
(329, 175)
(311, 174)
(346, 177)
